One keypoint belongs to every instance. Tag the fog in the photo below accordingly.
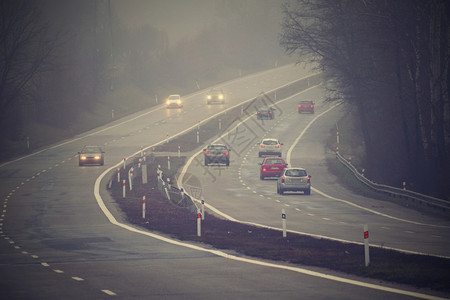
(180, 19)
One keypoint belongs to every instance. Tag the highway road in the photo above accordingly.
(331, 210)
(61, 236)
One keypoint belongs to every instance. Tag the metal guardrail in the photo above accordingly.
(396, 192)
(174, 194)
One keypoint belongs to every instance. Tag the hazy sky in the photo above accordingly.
(179, 18)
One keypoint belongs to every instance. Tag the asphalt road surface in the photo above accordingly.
(62, 238)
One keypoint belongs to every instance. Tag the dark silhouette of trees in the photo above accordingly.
(389, 61)
(26, 51)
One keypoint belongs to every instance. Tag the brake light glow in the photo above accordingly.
(299, 105)
(282, 179)
(207, 152)
(311, 106)
(308, 179)
(225, 152)
(261, 145)
(278, 146)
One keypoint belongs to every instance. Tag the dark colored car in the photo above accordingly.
(215, 96)
(91, 155)
(306, 106)
(272, 167)
(295, 180)
(266, 112)
(217, 153)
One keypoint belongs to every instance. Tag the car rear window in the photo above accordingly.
(217, 148)
(274, 162)
(270, 142)
(296, 173)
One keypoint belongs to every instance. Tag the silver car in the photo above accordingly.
(295, 180)
(269, 147)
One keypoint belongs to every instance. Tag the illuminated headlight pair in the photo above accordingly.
(95, 157)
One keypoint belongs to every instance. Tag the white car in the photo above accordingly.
(174, 101)
(269, 147)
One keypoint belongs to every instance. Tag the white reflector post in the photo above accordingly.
(199, 223)
(366, 244)
(283, 220)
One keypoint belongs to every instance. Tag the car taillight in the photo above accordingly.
(258, 112)
(270, 112)
(207, 152)
(278, 146)
(261, 145)
(264, 169)
(308, 179)
(282, 179)
(225, 152)
(299, 105)
(311, 106)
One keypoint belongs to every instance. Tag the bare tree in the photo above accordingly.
(390, 60)
(26, 50)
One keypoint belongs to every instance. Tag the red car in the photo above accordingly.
(306, 106)
(272, 167)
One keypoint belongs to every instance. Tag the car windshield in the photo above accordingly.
(270, 142)
(215, 92)
(306, 102)
(274, 162)
(174, 97)
(91, 150)
(295, 173)
(217, 147)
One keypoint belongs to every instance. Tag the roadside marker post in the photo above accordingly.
(118, 175)
(144, 174)
(199, 223)
(143, 207)
(124, 163)
(203, 209)
(168, 162)
(283, 220)
(123, 189)
(130, 178)
(366, 244)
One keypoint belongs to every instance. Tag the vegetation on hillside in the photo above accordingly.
(389, 60)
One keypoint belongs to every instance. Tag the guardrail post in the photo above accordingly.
(404, 185)
(168, 162)
(123, 189)
(363, 171)
(283, 220)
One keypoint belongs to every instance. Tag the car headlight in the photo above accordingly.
(209, 97)
(220, 96)
(178, 102)
(97, 157)
(82, 157)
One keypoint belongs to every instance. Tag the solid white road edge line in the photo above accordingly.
(113, 220)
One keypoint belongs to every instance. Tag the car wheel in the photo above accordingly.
(206, 162)
(281, 192)
(261, 177)
(80, 164)
(308, 192)
(259, 155)
(228, 163)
